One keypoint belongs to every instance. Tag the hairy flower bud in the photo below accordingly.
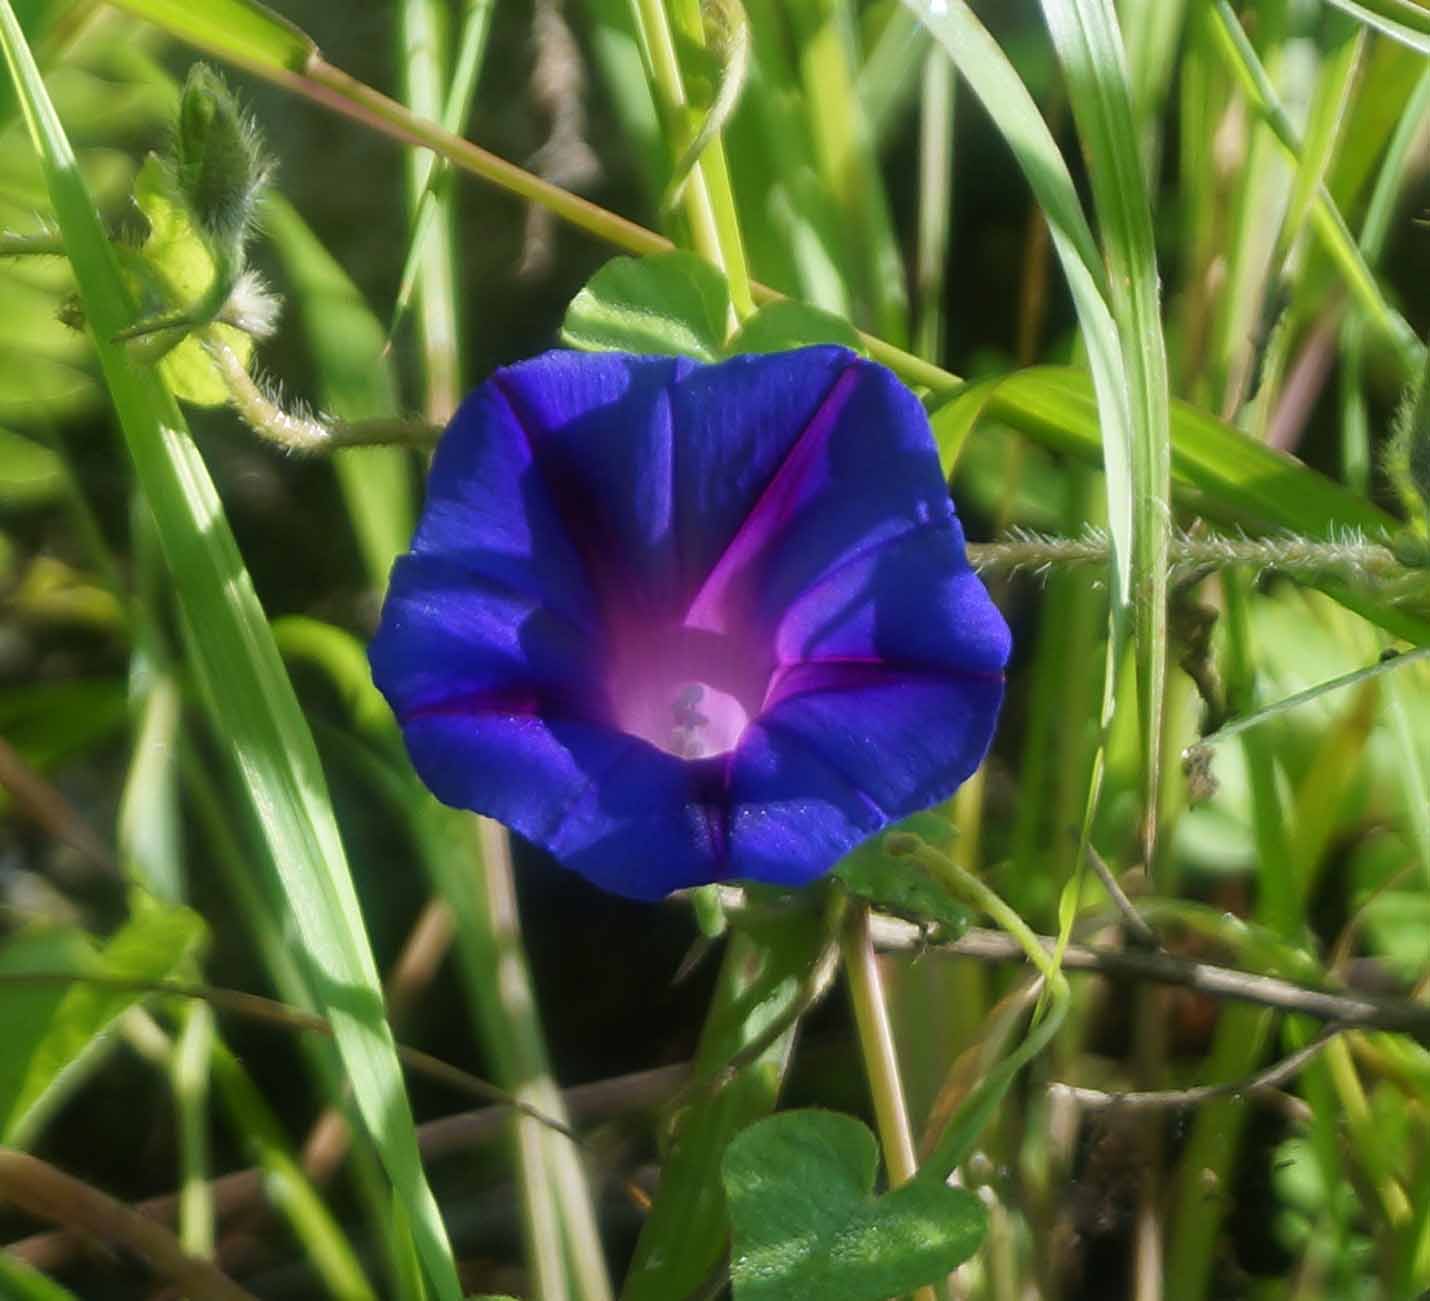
(219, 160)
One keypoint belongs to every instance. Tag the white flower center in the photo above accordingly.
(704, 721)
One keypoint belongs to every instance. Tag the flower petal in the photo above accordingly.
(488, 512)
(912, 600)
(863, 470)
(449, 636)
(621, 813)
(600, 433)
(851, 748)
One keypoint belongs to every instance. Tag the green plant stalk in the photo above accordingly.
(936, 122)
(961, 1134)
(423, 63)
(1335, 87)
(21, 1283)
(1366, 1140)
(355, 383)
(881, 1061)
(189, 1072)
(471, 52)
(668, 85)
(469, 861)
(844, 152)
(715, 167)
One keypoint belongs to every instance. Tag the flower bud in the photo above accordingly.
(219, 160)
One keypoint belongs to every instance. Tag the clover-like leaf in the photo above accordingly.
(668, 303)
(787, 324)
(807, 1226)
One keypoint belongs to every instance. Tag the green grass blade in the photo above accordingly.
(355, 382)
(1006, 99)
(1326, 219)
(50, 1032)
(1330, 106)
(241, 31)
(471, 48)
(1401, 20)
(844, 153)
(21, 1283)
(1089, 47)
(257, 711)
(936, 121)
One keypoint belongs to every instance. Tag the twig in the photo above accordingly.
(257, 1008)
(437, 1139)
(1179, 1099)
(40, 1189)
(1349, 1010)
(46, 805)
(1136, 923)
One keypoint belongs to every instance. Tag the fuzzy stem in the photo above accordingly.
(44, 244)
(304, 434)
(1350, 556)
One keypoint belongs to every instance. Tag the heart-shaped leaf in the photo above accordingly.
(807, 1226)
(787, 324)
(665, 303)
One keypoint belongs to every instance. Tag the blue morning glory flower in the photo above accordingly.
(679, 623)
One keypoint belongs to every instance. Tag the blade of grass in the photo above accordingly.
(1389, 182)
(355, 383)
(1330, 105)
(423, 60)
(256, 708)
(471, 49)
(1326, 220)
(242, 31)
(1089, 46)
(1007, 101)
(848, 165)
(936, 121)
(1401, 20)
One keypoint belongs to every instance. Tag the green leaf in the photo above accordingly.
(806, 1226)
(241, 31)
(666, 303)
(899, 886)
(777, 326)
(176, 257)
(250, 696)
(30, 474)
(52, 1030)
